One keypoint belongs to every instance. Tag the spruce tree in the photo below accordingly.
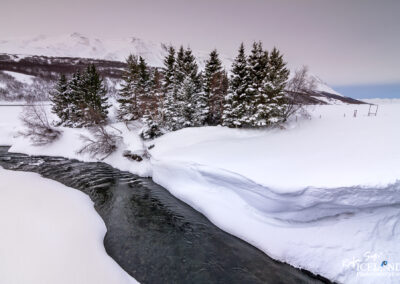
(274, 85)
(151, 127)
(258, 72)
(127, 99)
(236, 102)
(215, 87)
(60, 100)
(169, 111)
(189, 105)
(169, 73)
(95, 99)
(156, 93)
(180, 68)
(143, 87)
(76, 103)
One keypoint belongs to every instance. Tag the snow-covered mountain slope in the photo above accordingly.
(79, 45)
(321, 86)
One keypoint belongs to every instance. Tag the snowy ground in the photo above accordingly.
(51, 234)
(322, 194)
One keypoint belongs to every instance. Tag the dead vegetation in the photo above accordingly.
(38, 128)
(100, 143)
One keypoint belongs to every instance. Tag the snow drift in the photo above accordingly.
(51, 234)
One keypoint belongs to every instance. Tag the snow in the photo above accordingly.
(23, 78)
(317, 195)
(321, 86)
(51, 234)
(360, 151)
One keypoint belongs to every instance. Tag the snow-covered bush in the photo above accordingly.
(151, 128)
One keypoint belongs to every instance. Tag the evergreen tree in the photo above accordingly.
(258, 74)
(180, 68)
(169, 112)
(274, 85)
(143, 88)
(236, 103)
(76, 101)
(192, 75)
(156, 93)
(60, 100)
(215, 88)
(127, 99)
(95, 99)
(151, 127)
(189, 105)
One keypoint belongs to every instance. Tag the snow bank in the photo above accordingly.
(9, 123)
(331, 150)
(51, 234)
(322, 195)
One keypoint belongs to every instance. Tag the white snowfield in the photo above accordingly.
(322, 194)
(51, 234)
(23, 78)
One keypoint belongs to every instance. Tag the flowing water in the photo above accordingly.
(152, 235)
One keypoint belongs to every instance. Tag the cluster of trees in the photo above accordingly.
(256, 95)
(82, 100)
(179, 95)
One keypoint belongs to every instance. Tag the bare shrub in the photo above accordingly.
(100, 143)
(35, 119)
(301, 84)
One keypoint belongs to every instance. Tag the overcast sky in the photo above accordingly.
(344, 42)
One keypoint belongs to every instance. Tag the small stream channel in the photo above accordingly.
(152, 235)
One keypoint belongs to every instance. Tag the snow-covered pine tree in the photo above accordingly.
(76, 102)
(215, 88)
(152, 119)
(189, 114)
(258, 72)
(274, 85)
(151, 126)
(156, 94)
(180, 68)
(127, 98)
(193, 107)
(235, 108)
(59, 99)
(143, 88)
(95, 99)
(169, 85)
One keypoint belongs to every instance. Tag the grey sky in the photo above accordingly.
(344, 42)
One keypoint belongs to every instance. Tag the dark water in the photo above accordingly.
(155, 237)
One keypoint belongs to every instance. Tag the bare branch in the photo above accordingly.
(38, 128)
(101, 143)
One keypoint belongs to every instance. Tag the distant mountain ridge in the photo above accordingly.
(79, 45)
